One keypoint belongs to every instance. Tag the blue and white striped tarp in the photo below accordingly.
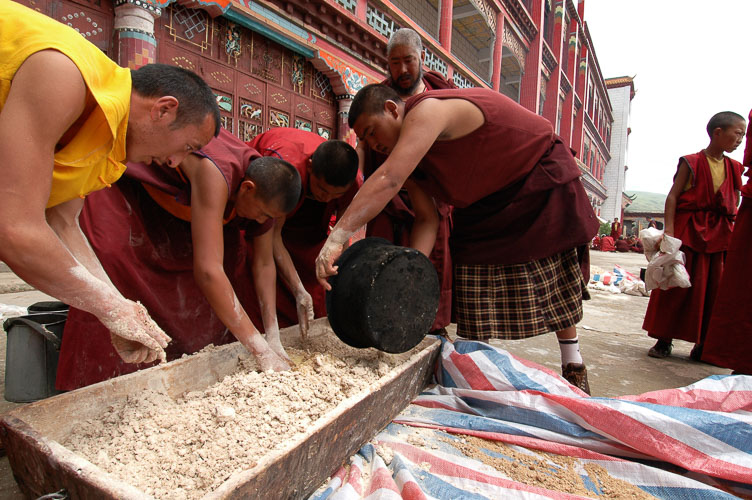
(692, 442)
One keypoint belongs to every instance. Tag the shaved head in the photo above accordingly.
(336, 162)
(276, 181)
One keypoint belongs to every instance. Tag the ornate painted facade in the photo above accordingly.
(299, 62)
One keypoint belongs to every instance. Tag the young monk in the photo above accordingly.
(69, 120)
(405, 55)
(329, 175)
(728, 343)
(177, 241)
(512, 183)
(700, 210)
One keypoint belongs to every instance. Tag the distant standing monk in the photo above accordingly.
(69, 119)
(395, 223)
(700, 211)
(512, 182)
(616, 229)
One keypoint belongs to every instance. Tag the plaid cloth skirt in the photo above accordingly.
(518, 301)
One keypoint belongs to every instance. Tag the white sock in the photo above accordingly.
(570, 351)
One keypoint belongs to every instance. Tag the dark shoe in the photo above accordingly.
(576, 374)
(440, 332)
(696, 353)
(661, 349)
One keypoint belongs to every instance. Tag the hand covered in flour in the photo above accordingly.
(329, 253)
(135, 336)
(304, 304)
(272, 338)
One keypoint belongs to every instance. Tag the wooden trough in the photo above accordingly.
(41, 465)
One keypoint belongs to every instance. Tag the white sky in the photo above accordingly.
(690, 59)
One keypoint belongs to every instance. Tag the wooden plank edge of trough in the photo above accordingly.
(41, 465)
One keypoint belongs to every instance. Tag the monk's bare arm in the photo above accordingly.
(426, 223)
(63, 219)
(282, 258)
(265, 282)
(683, 174)
(208, 201)
(291, 278)
(46, 97)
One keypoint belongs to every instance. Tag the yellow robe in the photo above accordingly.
(94, 158)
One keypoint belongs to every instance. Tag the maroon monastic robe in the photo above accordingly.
(703, 221)
(615, 230)
(512, 182)
(307, 226)
(607, 244)
(148, 254)
(394, 223)
(729, 339)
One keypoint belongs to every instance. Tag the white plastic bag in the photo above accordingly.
(665, 261)
(11, 311)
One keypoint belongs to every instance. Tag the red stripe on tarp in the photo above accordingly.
(428, 403)
(651, 441)
(447, 468)
(470, 371)
(525, 441)
(698, 399)
(411, 491)
(382, 480)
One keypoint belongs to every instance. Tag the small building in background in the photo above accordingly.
(644, 205)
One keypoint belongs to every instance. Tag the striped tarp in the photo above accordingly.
(689, 443)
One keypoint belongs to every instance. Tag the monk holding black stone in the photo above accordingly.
(512, 182)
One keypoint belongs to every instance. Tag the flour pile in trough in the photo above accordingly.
(186, 448)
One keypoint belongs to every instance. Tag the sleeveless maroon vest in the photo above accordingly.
(503, 150)
(704, 219)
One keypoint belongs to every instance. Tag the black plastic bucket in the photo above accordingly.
(383, 296)
(31, 356)
(47, 307)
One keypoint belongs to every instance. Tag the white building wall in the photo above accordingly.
(613, 177)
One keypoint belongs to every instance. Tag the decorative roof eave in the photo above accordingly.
(622, 81)
(212, 7)
(564, 84)
(239, 16)
(572, 10)
(521, 18)
(548, 57)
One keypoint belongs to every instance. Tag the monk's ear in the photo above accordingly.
(391, 108)
(247, 187)
(166, 107)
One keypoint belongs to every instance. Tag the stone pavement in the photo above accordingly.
(612, 343)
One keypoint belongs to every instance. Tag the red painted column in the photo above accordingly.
(361, 9)
(134, 28)
(551, 106)
(530, 85)
(445, 24)
(567, 112)
(497, 52)
(579, 122)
